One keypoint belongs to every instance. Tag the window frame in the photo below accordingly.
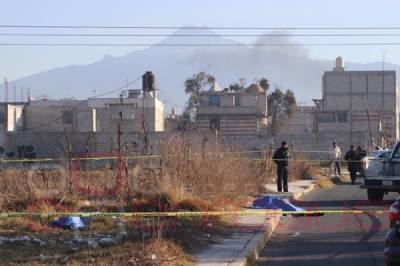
(342, 114)
(236, 100)
(215, 123)
(214, 100)
(324, 115)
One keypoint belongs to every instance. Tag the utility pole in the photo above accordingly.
(369, 128)
(119, 135)
(69, 158)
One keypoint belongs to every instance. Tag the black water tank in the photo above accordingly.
(148, 81)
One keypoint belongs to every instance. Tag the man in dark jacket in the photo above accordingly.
(281, 157)
(352, 163)
(361, 154)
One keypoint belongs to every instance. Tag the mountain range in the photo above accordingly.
(287, 67)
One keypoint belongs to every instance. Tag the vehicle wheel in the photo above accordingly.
(375, 194)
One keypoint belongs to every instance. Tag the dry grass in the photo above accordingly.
(190, 175)
(154, 252)
(325, 183)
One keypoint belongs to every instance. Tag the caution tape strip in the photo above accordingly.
(4, 215)
(149, 157)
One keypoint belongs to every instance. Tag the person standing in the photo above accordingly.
(334, 156)
(281, 159)
(352, 163)
(361, 154)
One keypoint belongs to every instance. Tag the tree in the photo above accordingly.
(281, 106)
(264, 83)
(193, 87)
(238, 86)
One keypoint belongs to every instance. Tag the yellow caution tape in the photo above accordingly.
(184, 214)
(149, 157)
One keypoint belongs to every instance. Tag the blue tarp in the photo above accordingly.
(70, 222)
(275, 203)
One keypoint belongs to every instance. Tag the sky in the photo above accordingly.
(17, 61)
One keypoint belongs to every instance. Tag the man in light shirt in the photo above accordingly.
(334, 156)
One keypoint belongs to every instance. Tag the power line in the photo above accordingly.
(201, 44)
(81, 102)
(194, 27)
(198, 35)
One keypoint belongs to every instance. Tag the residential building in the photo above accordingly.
(140, 109)
(233, 114)
(44, 123)
(358, 107)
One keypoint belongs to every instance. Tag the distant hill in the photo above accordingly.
(287, 67)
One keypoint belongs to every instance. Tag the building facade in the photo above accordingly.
(233, 114)
(44, 124)
(358, 107)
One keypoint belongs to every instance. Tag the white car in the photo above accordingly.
(373, 165)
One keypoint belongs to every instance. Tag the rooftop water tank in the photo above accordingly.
(339, 65)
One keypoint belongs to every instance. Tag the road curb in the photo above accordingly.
(249, 255)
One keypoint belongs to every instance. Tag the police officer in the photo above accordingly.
(352, 163)
(281, 158)
(361, 154)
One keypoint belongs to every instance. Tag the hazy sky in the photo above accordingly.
(21, 61)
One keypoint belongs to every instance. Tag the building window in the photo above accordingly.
(68, 117)
(326, 117)
(214, 100)
(342, 117)
(236, 100)
(214, 124)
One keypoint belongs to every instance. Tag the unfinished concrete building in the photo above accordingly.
(44, 124)
(234, 115)
(357, 107)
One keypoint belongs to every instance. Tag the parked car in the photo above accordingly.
(392, 240)
(383, 174)
(373, 163)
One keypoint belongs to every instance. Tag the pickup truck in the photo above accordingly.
(386, 178)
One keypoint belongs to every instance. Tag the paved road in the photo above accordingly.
(331, 240)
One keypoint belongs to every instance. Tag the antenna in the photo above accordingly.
(5, 90)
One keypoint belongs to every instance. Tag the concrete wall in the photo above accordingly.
(249, 102)
(353, 90)
(369, 98)
(95, 115)
(245, 125)
(246, 119)
(134, 110)
(48, 116)
(301, 121)
(53, 144)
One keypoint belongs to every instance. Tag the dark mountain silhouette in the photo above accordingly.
(285, 66)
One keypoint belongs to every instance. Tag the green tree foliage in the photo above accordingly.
(264, 83)
(193, 86)
(281, 106)
(238, 86)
